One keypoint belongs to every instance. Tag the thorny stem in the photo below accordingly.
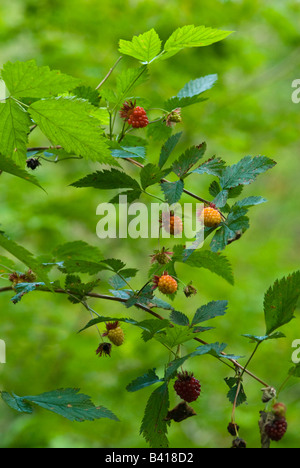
(148, 310)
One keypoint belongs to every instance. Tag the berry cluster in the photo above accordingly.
(187, 387)
(276, 429)
(134, 115)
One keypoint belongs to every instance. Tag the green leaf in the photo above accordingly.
(88, 93)
(107, 180)
(259, 339)
(77, 250)
(8, 166)
(212, 261)
(66, 402)
(172, 191)
(280, 301)
(188, 159)
(232, 383)
(198, 86)
(143, 381)
(144, 47)
(245, 171)
(208, 311)
(179, 318)
(249, 201)
(151, 174)
(25, 257)
(14, 128)
(24, 288)
(154, 426)
(26, 79)
(190, 93)
(129, 79)
(129, 152)
(213, 166)
(68, 122)
(192, 36)
(175, 335)
(167, 148)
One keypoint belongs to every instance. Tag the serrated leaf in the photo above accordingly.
(88, 93)
(192, 36)
(129, 78)
(151, 174)
(245, 171)
(213, 166)
(280, 301)
(107, 180)
(179, 318)
(144, 47)
(188, 159)
(249, 201)
(179, 102)
(175, 336)
(154, 426)
(214, 262)
(24, 288)
(66, 402)
(68, 122)
(167, 148)
(14, 128)
(25, 257)
(172, 191)
(208, 311)
(129, 152)
(26, 79)
(221, 238)
(221, 199)
(77, 250)
(259, 339)
(8, 166)
(198, 86)
(231, 395)
(143, 381)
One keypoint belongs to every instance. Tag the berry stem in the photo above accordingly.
(148, 310)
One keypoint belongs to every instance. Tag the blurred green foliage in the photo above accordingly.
(249, 111)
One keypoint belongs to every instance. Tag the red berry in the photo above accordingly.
(276, 429)
(187, 387)
(138, 118)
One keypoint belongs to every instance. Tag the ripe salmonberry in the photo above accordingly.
(187, 387)
(171, 223)
(134, 115)
(210, 217)
(276, 429)
(114, 333)
(165, 283)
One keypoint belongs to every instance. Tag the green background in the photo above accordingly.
(249, 112)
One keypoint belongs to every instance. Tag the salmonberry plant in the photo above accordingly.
(112, 126)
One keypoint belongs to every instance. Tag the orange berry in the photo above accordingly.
(210, 217)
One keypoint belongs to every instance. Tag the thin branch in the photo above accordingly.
(191, 194)
(149, 311)
(109, 73)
